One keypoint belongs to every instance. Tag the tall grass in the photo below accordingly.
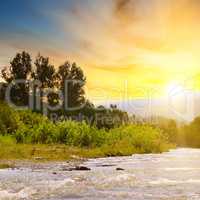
(30, 128)
(140, 138)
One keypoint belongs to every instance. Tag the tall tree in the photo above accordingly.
(19, 69)
(44, 73)
(72, 77)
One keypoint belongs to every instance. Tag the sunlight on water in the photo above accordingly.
(174, 175)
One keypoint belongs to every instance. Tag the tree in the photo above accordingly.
(45, 74)
(69, 79)
(192, 133)
(109, 118)
(169, 126)
(72, 77)
(19, 69)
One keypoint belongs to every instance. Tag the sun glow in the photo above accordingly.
(174, 89)
(159, 49)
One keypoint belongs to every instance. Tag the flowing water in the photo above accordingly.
(169, 176)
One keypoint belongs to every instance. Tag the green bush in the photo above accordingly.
(33, 128)
(79, 134)
(32, 119)
(190, 134)
(44, 133)
(9, 119)
(144, 138)
(24, 134)
(141, 138)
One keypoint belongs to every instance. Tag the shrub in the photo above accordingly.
(44, 133)
(142, 137)
(24, 134)
(32, 119)
(79, 134)
(29, 127)
(9, 119)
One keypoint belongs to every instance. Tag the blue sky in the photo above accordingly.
(29, 14)
(17, 15)
(47, 26)
(30, 25)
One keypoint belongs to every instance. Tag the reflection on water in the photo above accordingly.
(169, 176)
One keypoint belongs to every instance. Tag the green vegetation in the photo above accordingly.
(168, 126)
(189, 135)
(9, 119)
(5, 166)
(184, 134)
(30, 135)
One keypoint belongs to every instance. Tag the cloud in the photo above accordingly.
(121, 5)
(115, 40)
(124, 9)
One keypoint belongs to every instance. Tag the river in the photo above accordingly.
(174, 175)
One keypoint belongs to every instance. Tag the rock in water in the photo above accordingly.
(120, 169)
(77, 168)
(82, 168)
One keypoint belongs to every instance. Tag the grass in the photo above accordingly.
(10, 150)
(5, 166)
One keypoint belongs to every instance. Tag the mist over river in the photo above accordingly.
(174, 175)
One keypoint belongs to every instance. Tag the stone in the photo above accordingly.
(82, 168)
(120, 169)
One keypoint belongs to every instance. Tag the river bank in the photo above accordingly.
(81, 141)
(12, 155)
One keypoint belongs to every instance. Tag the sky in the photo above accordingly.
(128, 49)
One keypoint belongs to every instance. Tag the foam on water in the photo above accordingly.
(163, 181)
(49, 186)
(23, 194)
(172, 175)
(181, 169)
